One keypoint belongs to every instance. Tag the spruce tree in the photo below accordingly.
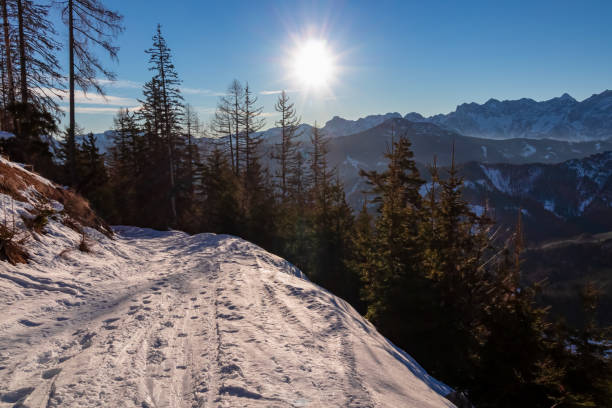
(285, 151)
(165, 106)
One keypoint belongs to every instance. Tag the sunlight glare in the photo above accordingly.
(313, 65)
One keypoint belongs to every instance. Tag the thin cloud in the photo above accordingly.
(199, 91)
(100, 110)
(89, 98)
(278, 92)
(120, 83)
(95, 110)
(92, 98)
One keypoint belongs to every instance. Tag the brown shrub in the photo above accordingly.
(11, 248)
(84, 245)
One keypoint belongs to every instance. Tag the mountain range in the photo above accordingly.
(562, 118)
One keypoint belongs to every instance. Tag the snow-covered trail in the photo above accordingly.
(163, 319)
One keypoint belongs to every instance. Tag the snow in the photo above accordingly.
(528, 150)
(6, 135)
(484, 151)
(352, 162)
(496, 178)
(479, 210)
(152, 319)
(584, 204)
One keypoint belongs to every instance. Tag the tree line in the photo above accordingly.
(416, 260)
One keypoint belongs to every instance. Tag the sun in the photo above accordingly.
(313, 65)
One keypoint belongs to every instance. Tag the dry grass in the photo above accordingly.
(13, 181)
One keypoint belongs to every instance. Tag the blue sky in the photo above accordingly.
(392, 56)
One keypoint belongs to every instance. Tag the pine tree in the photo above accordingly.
(126, 161)
(318, 176)
(40, 73)
(89, 24)
(227, 121)
(286, 151)
(166, 108)
(192, 129)
(220, 192)
(8, 58)
(252, 123)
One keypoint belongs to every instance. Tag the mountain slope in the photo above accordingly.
(150, 319)
(365, 150)
(561, 118)
(559, 200)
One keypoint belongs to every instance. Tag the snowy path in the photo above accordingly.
(163, 319)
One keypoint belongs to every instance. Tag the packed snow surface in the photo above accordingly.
(164, 319)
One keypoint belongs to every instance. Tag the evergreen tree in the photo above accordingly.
(286, 150)
(220, 194)
(127, 157)
(89, 24)
(93, 178)
(164, 105)
(8, 57)
(395, 288)
(192, 129)
(226, 122)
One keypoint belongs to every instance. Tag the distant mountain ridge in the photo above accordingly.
(365, 150)
(557, 200)
(562, 118)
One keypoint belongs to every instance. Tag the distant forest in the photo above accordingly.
(433, 276)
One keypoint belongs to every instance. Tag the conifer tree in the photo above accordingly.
(252, 123)
(219, 191)
(394, 285)
(192, 129)
(90, 24)
(8, 57)
(318, 174)
(165, 104)
(222, 127)
(228, 121)
(286, 150)
(40, 76)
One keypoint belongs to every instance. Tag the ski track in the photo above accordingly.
(162, 319)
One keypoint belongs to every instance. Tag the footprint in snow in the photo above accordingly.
(50, 373)
(29, 323)
(16, 396)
